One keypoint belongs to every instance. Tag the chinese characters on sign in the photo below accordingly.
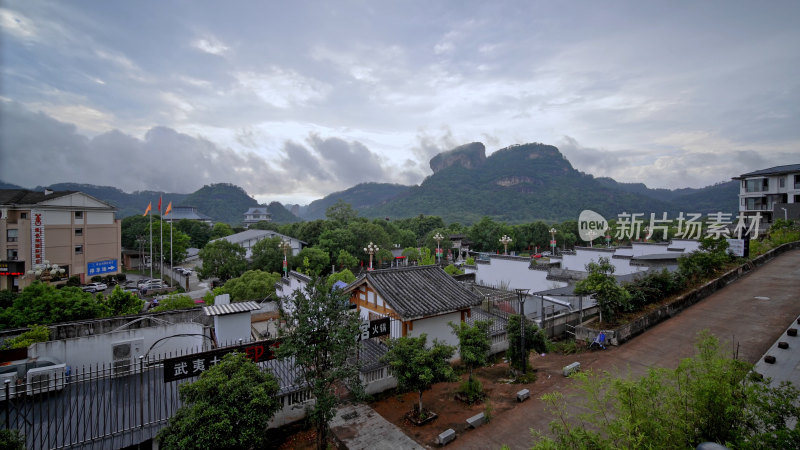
(99, 267)
(37, 233)
(689, 226)
(373, 328)
(193, 365)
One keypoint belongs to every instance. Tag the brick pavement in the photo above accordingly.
(733, 314)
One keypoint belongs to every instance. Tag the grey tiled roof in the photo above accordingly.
(230, 308)
(422, 291)
(26, 197)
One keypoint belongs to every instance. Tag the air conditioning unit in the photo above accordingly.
(12, 385)
(46, 379)
(123, 356)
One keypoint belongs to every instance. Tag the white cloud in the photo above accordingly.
(282, 88)
(210, 44)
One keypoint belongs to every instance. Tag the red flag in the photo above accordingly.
(159, 204)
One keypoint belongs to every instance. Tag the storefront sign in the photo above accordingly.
(193, 365)
(37, 235)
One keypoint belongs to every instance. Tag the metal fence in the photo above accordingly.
(108, 405)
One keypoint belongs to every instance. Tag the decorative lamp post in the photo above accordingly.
(371, 249)
(505, 240)
(592, 234)
(45, 271)
(286, 246)
(438, 238)
(521, 294)
(553, 232)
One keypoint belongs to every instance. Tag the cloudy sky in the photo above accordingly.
(295, 100)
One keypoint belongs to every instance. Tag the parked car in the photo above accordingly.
(94, 287)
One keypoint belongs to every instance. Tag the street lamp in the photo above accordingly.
(438, 238)
(371, 249)
(553, 232)
(592, 234)
(505, 240)
(521, 294)
(45, 271)
(286, 246)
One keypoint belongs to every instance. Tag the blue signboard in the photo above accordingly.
(101, 267)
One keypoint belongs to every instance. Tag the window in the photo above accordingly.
(78, 249)
(11, 254)
(11, 235)
(78, 231)
(23, 215)
(79, 215)
(797, 181)
(757, 185)
(782, 182)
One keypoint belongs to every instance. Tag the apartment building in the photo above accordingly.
(773, 192)
(69, 228)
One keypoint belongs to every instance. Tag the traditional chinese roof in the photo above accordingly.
(417, 292)
(230, 308)
(777, 170)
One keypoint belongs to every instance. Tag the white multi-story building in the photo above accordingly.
(774, 193)
(255, 215)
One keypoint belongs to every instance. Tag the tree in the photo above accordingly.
(252, 285)
(37, 333)
(345, 276)
(707, 398)
(346, 261)
(220, 230)
(338, 239)
(320, 335)
(122, 303)
(426, 257)
(341, 212)
(312, 261)
(222, 259)
(534, 340)
(174, 301)
(267, 255)
(199, 232)
(452, 270)
(417, 367)
(227, 407)
(611, 297)
(474, 344)
(42, 303)
(412, 254)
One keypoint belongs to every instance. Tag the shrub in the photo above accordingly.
(74, 280)
(472, 390)
(97, 278)
(37, 333)
(121, 277)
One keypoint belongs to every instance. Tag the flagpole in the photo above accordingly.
(171, 263)
(161, 239)
(151, 246)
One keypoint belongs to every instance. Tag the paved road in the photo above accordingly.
(733, 314)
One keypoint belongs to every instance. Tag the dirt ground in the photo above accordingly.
(453, 413)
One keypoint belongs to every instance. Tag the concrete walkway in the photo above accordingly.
(750, 314)
(360, 427)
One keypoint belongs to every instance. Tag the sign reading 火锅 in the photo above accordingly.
(193, 365)
(100, 267)
(37, 235)
(373, 328)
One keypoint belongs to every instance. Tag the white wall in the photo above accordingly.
(96, 349)
(641, 249)
(436, 328)
(687, 245)
(232, 327)
(582, 257)
(57, 217)
(99, 218)
(514, 274)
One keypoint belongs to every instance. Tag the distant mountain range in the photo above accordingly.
(520, 183)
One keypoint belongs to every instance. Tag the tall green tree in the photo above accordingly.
(418, 367)
(220, 230)
(123, 303)
(228, 407)
(320, 335)
(474, 343)
(346, 261)
(199, 232)
(312, 261)
(610, 296)
(267, 255)
(42, 303)
(222, 259)
(341, 212)
(345, 276)
(252, 285)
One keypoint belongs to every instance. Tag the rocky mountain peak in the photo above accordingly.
(467, 155)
